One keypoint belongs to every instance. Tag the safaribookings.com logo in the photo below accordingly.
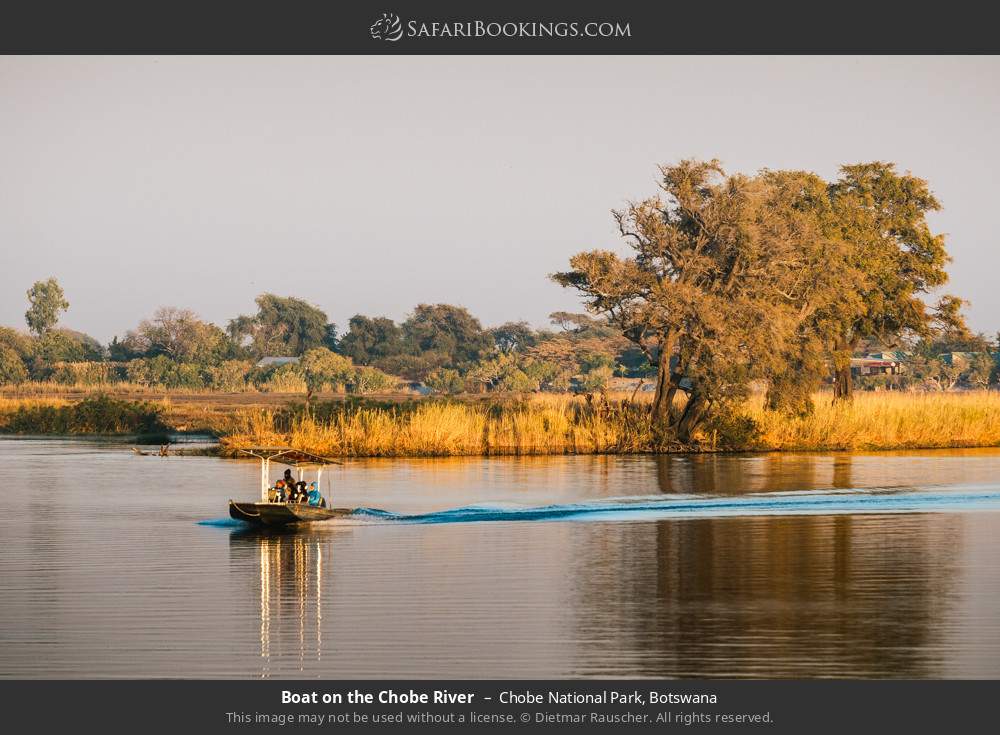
(387, 28)
(390, 28)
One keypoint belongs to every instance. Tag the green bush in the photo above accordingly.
(231, 376)
(596, 378)
(162, 372)
(286, 378)
(732, 430)
(549, 375)
(12, 368)
(97, 415)
(85, 373)
(371, 380)
(446, 380)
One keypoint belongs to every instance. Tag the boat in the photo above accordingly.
(267, 512)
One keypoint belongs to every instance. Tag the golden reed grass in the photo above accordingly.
(550, 425)
(885, 420)
(10, 405)
(122, 389)
(565, 425)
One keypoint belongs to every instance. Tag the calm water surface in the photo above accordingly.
(733, 566)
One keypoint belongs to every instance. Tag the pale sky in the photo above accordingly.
(370, 184)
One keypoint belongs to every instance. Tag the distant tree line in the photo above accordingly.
(440, 345)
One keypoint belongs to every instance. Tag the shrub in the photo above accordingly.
(549, 375)
(161, 371)
(371, 380)
(320, 368)
(231, 376)
(85, 373)
(596, 378)
(285, 379)
(12, 369)
(446, 380)
(97, 415)
(731, 430)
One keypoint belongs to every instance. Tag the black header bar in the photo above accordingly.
(512, 27)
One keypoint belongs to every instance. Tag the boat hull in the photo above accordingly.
(283, 514)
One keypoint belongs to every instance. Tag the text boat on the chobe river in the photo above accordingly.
(284, 502)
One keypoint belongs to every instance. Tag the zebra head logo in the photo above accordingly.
(387, 28)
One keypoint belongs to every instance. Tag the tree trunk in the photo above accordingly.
(843, 382)
(664, 394)
(694, 411)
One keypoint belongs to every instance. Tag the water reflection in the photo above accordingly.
(292, 566)
(863, 596)
(112, 576)
(714, 474)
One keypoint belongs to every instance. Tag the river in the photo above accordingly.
(777, 565)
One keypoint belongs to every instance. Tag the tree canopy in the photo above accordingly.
(881, 216)
(283, 325)
(725, 270)
(446, 330)
(513, 337)
(321, 367)
(181, 335)
(371, 339)
(46, 300)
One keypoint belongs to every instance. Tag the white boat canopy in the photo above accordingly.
(287, 456)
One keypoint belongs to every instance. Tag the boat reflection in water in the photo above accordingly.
(291, 565)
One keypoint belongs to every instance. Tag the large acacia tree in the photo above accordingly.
(724, 271)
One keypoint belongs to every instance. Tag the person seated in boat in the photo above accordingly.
(315, 498)
(296, 490)
(278, 492)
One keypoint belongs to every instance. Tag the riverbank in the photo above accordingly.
(540, 424)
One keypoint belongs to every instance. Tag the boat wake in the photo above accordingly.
(966, 498)
(223, 523)
(652, 508)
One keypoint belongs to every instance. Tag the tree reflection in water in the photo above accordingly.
(790, 596)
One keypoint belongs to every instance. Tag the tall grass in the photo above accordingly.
(551, 425)
(42, 388)
(885, 420)
(561, 425)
